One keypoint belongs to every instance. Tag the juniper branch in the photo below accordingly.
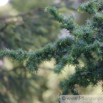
(87, 46)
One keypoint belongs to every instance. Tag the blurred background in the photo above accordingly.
(24, 24)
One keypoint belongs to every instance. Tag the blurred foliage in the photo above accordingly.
(29, 30)
(25, 5)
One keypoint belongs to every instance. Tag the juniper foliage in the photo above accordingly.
(86, 46)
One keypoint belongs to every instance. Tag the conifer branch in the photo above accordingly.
(87, 46)
(67, 23)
